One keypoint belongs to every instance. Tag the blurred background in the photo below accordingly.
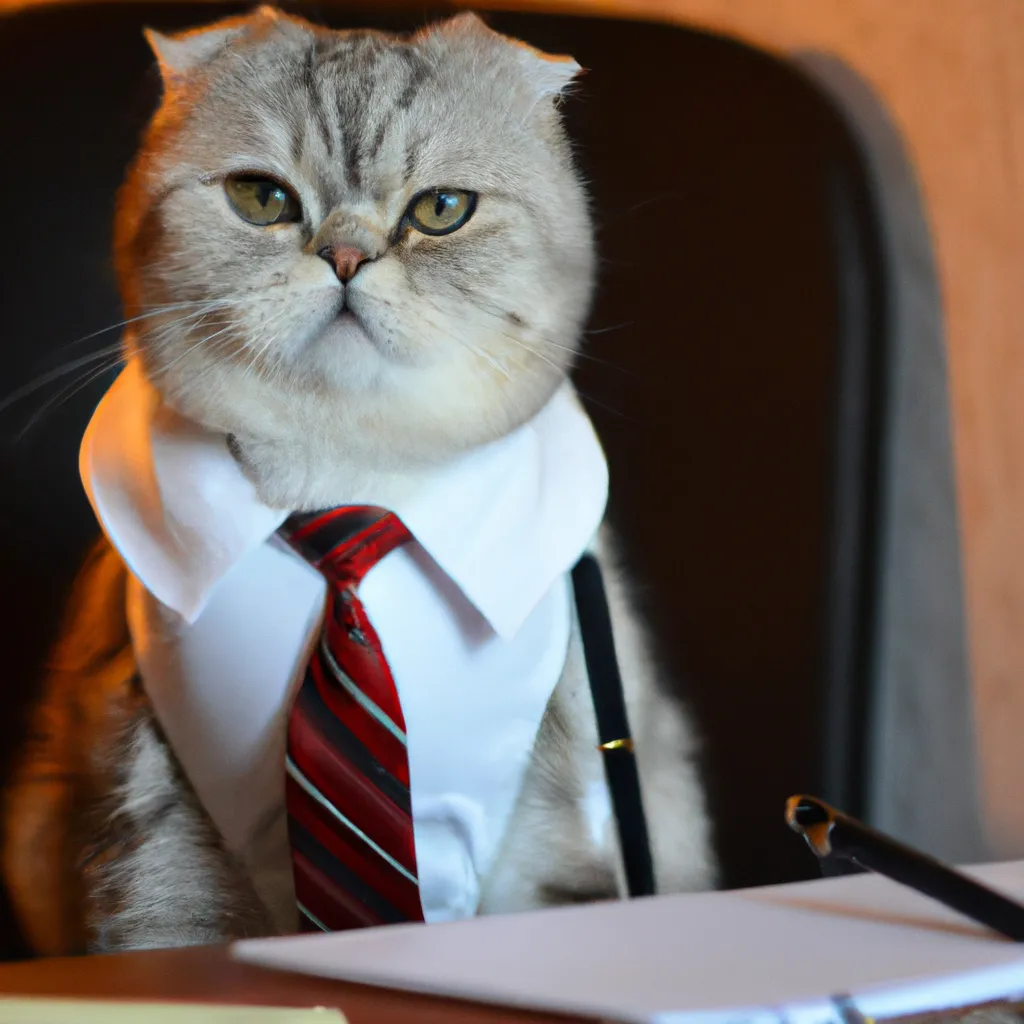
(766, 364)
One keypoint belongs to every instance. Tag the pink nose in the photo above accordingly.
(344, 259)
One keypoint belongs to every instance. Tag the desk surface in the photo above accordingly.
(208, 975)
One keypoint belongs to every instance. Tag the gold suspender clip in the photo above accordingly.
(626, 744)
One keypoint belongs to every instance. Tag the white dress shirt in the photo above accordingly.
(474, 618)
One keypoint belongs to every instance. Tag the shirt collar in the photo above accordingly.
(503, 521)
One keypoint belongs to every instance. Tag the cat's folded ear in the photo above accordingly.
(183, 53)
(550, 74)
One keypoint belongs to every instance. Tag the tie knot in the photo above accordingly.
(345, 543)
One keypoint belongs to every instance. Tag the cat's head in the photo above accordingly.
(371, 240)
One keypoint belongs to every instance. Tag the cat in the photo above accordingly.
(274, 140)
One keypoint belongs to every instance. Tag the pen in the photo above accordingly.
(830, 833)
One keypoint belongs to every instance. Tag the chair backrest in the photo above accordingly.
(733, 214)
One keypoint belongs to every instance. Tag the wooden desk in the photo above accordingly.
(208, 975)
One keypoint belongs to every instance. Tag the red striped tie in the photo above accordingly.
(349, 812)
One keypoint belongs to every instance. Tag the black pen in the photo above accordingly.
(830, 833)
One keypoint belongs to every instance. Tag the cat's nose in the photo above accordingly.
(345, 260)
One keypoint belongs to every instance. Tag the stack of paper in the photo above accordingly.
(790, 953)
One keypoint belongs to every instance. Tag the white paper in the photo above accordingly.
(771, 954)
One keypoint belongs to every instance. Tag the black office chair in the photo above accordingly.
(733, 210)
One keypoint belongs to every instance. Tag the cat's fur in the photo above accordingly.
(460, 339)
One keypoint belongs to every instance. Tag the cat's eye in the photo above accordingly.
(441, 211)
(260, 201)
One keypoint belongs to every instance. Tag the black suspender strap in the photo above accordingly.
(614, 738)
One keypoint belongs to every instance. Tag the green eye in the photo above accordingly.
(262, 202)
(441, 210)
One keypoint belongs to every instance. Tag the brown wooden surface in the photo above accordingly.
(208, 975)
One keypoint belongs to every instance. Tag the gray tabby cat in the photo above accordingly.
(276, 142)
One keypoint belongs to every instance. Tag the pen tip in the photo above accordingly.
(813, 820)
